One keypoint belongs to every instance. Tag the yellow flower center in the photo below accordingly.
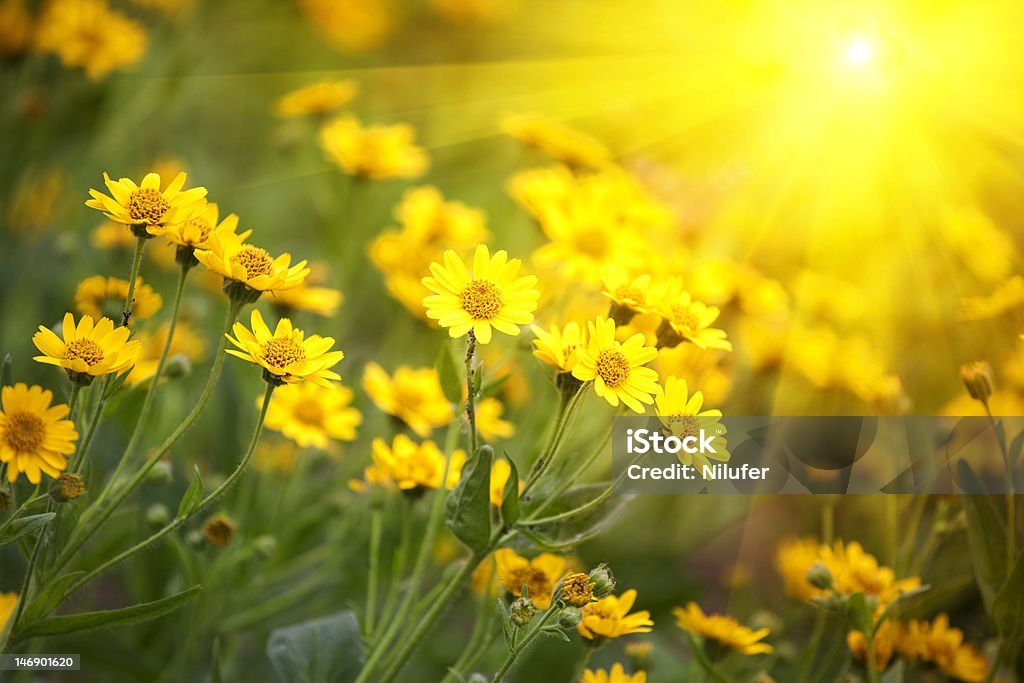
(629, 294)
(280, 352)
(482, 299)
(684, 320)
(593, 243)
(684, 425)
(536, 581)
(200, 229)
(147, 206)
(577, 589)
(309, 412)
(24, 432)
(255, 260)
(84, 349)
(613, 367)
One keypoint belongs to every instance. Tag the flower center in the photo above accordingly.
(255, 260)
(536, 581)
(684, 320)
(593, 243)
(613, 367)
(482, 299)
(24, 432)
(84, 349)
(280, 352)
(147, 206)
(629, 294)
(684, 426)
(201, 228)
(309, 412)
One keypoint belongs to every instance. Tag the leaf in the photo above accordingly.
(921, 605)
(859, 613)
(216, 663)
(575, 527)
(894, 607)
(6, 377)
(87, 621)
(1008, 608)
(510, 497)
(986, 535)
(48, 598)
(25, 526)
(193, 494)
(468, 506)
(448, 374)
(326, 650)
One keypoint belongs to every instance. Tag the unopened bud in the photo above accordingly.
(819, 576)
(604, 581)
(66, 488)
(639, 653)
(264, 546)
(569, 617)
(521, 611)
(977, 377)
(157, 515)
(177, 366)
(577, 589)
(218, 530)
(160, 474)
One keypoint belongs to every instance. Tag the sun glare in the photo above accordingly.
(859, 51)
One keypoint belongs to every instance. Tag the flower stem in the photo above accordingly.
(575, 476)
(566, 408)
(374, 570)
(133, 275)
(470, 394)
(524, 643)
(26, 583)
(398, 566)
(76, 388)
(1011, 510)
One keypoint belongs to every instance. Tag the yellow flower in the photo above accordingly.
(558, 347)
(320, 300)
(609, 617)
(681, 415)
(540, 575)
(793, 558)
(943, 646)
(195, 232)
(88, 350)
(377, 152)
(617, 369)
(725, 630)
(500, 472)
(485, 578)
(557, 140)
(616, 675)
(475, 12)
(286, 355)
(186, 343)
(427, 218)
(8, 603)
(409, 465)
(111, 235)
(413, 395)
(275, 455)
(628, 294)
(100, 295)
(249, 265)
(309, 414)
(489, 422)
(351, 24)
(316, 99)
(888, 635)
(34, 437)
(577, 589)
(1006, 297)
(15, 35)
(684, 319)
(87, 33)
(146, 208)
(492, 296)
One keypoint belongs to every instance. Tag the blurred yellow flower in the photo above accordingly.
(428, 218)
(885, 641)
(409, 465)
(15, 34)
(310, 415)
(89, 34)
(540, 190)
(681, 415)
(97, 296)
(492, 296)
(352, 25)
(725, 630)
(938, 643)
(195, 231)
(540, 575)
(87, 350)
(793, 558)
(1006, 297)
(557, 140)
(320, 300)
(489, 422)
(316, 99)
(617, 369)
(111, 235)
(628, 294)
(413, 395)
(973, 237)
(249, 265)
(8, 603)
(616, 675)
(684, 319)
(485, 578)
(559, 348)
(187, 343)
(287, 356)
(34, 436)
(275, 455)
(500, 472)
(377, 152)
(475, 11)
(33, 204)
(609, 617)
(146, 208)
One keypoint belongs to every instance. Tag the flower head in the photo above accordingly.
(684, 319)
(558, 347)
(491, 296)
(99, 295)
(409, 465)
(413, 395)
(377, 152)
(540, 575)
(287, 356)
(577, 589)
(219, 530)
(725, 630)
(320, 300)
(89, 34)
(617, 368)
(253, 269)
(489, 422)
(88, 350)
(34, 436)
(146, 208)
(616, 675)
(681, 415)
(609, 617)
(311, 415)
(557, 140)
(316, 99)
(195, 232)
(977, 378)
(938, 643)
(628, 294)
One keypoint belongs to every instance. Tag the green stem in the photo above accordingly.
(76, 389)
(470, 394)
(178, 521)
(581, 665)
(374, 571)
(575, 476)
(26, 583)
(485, 608)
(870, 663)
(1011, 510)
(133, 275)
(566, 409)
(812, 648)
(398, 564)
(524, 643)
(90, 430)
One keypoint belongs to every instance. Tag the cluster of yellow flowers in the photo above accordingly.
(930, 642)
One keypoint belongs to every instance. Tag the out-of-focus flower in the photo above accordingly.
(377, 152)
(558, 347)
(616, 675)
(312, 415)
(15, 35)
(540, 575)
(170, 8)
(1005, 298)
(977, 379)
(33, 203)
(413, 395)
(88, 350)
(628, 294)
(485, 577)
(89, 34)
(885, 640)
(500, 472)
(275, 455)
(316, 99)
(724, 629)
(975, 239)
(287, 356)
(219, 529)
(684, 319)
(493, 295)
(8, 603)
(557, 140)
(609, 617)
(146, 208)
(617, 370)
(682, 416)
(255, 270)
(427, 218)
(825, 297)
(111, 235)
(187, 342)
(351, 25)
(476, 12)
(409, 465)
(938, 643)
(195, 232)
(97, 296)
(489, 422)
(34, 436)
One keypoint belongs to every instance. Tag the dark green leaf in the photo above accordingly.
(922, 605)
(468, 506)
(448, 374)
(25, 526)
(48, 598)
(510, 497)
(193, 494)
(986, 535)
(327, 650)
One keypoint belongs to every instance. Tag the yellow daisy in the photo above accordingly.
(409, 465)
(684, 319)
(413, 395)
(540, 575)
(492, 296)
(310, 415)
(89, 34)
(34, 437)
(609, 617)
(287, 356)
(88, 350)
(681, 415)
(144, 207)
(320, 300)
(97, 294)
(253, 269)
(377, 152)
(316, 99)
(489, 422)
(8, 603)
(617, 368)
(725, 630)
(559, 347)
(195, 232)
(628, 294)
(616, 675)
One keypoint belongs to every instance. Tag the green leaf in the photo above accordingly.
(575, 527)
(1008, 608)
(510, 497)
(6, 376)
(922, 605)
(193, 494)
(986, 535)
(468, 506)
(86, 621)
(478, 379)
(448, 374)
(48, 598)
(326, 650)
(216, 663)
(859, 614)
(25, 526)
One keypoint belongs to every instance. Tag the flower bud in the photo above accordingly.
(819, 576)
(66, 488)
(977, 377)
(177, 366)
(160, 474)
(264, 546)
(569, 617)
(157, 515)
(219, 530)
(604, 581)
(577, 589)
(639, 653)
(521, 611)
